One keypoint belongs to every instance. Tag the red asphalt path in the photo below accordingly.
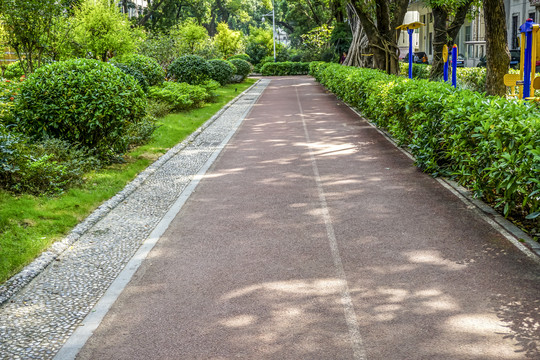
(313, 237)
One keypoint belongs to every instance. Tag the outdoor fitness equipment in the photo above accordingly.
(525, 80)
(410, 30)
(454, 63)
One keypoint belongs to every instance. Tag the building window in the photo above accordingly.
(430, 50)
(468, 33)
(532, 16)
(423, 19)
(515, 33)
(430, 18)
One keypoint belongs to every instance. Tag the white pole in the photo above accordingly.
(274, 29)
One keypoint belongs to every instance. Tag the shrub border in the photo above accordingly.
(14, 284)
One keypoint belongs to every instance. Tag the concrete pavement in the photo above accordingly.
(313, 237)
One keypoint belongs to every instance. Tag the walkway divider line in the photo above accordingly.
(346, 300)
(80, 336)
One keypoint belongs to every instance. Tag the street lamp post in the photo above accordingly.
(273, 13)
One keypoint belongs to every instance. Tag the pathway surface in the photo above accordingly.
(313, 237)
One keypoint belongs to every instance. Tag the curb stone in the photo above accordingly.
(18, 281)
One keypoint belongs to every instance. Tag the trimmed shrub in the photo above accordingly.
(9, 90)
(222, 71)
(145, 65)
(285, 68)
(244, 57)
(210, 86)
(8, 150)
(243, 69)
(157, 108)
(487, 143)
(473, 78)
(179, 96)
(139, 76)
(82, 101)
(47, 167)
(191, 69)
(14, 71)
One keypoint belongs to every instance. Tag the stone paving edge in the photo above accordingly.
(18, 281)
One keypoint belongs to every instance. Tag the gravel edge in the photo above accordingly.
(18, 281)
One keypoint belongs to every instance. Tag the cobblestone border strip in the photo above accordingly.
(511, 232)
(18, 281)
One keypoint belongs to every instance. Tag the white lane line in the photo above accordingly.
(91, 322)
(346, 300)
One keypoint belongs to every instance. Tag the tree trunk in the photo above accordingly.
(357, 55)
(380, 29)
(445, 35)
(143, 19)
(497, 54)
(440, 17)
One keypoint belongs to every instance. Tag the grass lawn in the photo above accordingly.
(29, 224)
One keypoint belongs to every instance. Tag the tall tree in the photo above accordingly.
(358, 51)
(445, 30)
(298, 17)
(497, 55)
(379, 19)
(101, 31)
(28, 24)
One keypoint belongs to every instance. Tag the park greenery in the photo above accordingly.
(490, 144)
(92, 87)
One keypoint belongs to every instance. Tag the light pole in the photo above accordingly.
(273, 27)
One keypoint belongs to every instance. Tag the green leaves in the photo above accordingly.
(243, 68)
(285, 68)
(179, 96)
(149, 67)
(82, 101)
(222, 71)
(191, 69)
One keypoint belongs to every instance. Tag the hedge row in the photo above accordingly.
(473, 78)
(285, 68)
(489, 144)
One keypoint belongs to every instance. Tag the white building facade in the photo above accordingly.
(471, 39)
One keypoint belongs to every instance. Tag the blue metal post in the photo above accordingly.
(410, 32)
(527, 29)
(454, 65)
(446, 70)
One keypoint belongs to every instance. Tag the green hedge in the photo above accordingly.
(191, 69)
(85, 102)
(473, 78)
(149, 67)
(179, 96)
(489, 144)
(243, 68)
(285, 68)
(222, 71)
